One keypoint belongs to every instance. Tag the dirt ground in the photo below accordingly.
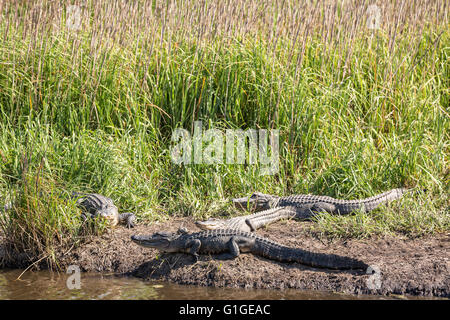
(405, 266)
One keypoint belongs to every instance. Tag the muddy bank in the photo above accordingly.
(407, 266)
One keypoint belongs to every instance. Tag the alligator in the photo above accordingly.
(97, 205)
(249, 223)
(231, 243)
(94, 205)
(302, 206)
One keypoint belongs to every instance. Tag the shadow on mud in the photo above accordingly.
(166, 263)
(162, 265)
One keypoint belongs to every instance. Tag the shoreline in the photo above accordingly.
(418, 267)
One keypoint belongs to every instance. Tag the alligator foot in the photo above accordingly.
(195, 258)
(251, 225)
(129, 219)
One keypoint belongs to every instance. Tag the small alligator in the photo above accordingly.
(97, 205)
(94, 205)
(233, 242)
(296, 206)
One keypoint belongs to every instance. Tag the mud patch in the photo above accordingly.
(407, 266)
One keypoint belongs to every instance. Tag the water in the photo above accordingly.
(52, 285)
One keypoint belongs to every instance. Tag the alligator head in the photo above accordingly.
(110, 213)
(162, 241)
(257, 201)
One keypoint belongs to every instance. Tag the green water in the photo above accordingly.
(31, 285)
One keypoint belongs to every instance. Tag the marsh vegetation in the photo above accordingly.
(90, 96)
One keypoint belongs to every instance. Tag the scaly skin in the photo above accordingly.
(234, 242)
(95, 205)
(296, 206)
(250, 222)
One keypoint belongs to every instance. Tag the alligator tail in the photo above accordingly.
(329, 261)
(274, 251)
(386, 197)
(369, 204)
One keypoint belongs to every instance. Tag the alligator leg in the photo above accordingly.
(238, 244)
(323, 207)
(251, 225)
(193, 247)
(233, 248)
(307, 211)
(129, 219)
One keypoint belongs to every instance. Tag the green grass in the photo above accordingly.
(94, 111)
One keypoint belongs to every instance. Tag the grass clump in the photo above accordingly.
(40, 222)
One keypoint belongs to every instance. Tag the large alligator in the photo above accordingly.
(296, 206)
(234, 242)
(97, 205)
